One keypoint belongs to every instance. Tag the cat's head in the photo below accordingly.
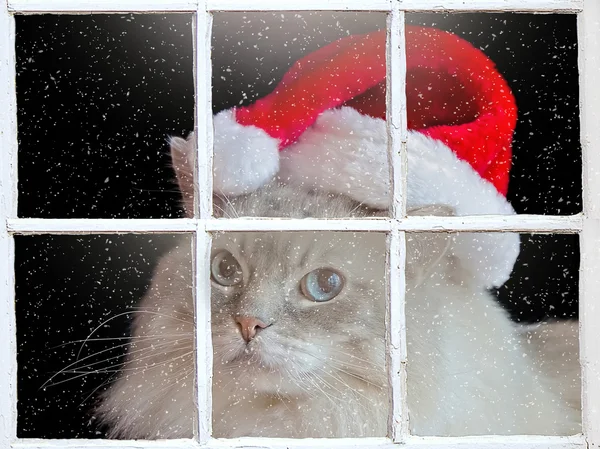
(295, 313)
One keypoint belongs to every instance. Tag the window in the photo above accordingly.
(398, 226)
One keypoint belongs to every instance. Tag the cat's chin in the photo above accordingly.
(259, 369)
(256, 379)
(277, 385)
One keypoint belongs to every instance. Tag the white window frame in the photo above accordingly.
(587, 224)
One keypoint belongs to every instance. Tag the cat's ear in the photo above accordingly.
(183, 159)
(424, 250)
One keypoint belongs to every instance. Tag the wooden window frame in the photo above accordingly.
(586, 224)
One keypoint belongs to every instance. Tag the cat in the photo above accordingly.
(289, 364)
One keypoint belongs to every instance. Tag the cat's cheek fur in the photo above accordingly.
(154, 395)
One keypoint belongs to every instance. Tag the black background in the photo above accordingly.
(98, 96)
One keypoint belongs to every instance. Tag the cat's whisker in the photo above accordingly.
(349, 388)
(216, 206)
(157, 312)
(140, 368)
(355, 208)
(300, 382)
(133, 337)
(86, 372)
(359, 377)
(366, 366)
(174, 191)
(324, 382)
(174, 378)
(107, 381)
(232, 207)
(314, 380)
(352, 356)
(98, 327)
(75, 365)
(160, 309)
(80, 374)
(177, 373)
(70, 379)
(128, 312)
(374, 369)
(112, 348)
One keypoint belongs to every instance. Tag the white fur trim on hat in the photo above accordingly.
(245, 157)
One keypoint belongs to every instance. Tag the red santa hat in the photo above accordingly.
(327, 115)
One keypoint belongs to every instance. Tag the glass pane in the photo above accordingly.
(310, 84)
(299, 334)
(98, 96)
(78, 300)
(472, 80)
(472, 369)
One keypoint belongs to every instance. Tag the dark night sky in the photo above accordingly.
(97, 98)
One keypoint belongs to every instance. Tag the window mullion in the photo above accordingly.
(478, 223)
(554, 6)
(300, 5)
(589, 316)
(397, 137)
(474, 442)
(547, 6)
(203, 103)
(589, 284)
(87, 6)
(203, 204)
(202, 244)
(396, 111)
(396, 337)
(8, 209)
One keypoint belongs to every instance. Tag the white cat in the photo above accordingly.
(298, 333)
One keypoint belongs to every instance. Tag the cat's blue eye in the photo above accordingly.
(225, 270)
(322, 284)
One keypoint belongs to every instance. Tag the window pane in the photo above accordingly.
(299, 334)
(98, 96)
(472, 369)
(311, 84)
(465, 90)
(78, 300)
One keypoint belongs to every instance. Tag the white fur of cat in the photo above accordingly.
(318, 369)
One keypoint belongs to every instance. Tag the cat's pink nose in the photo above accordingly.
(249, 326)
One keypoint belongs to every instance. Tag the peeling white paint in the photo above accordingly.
(485, 442)
(88, 6)
(8, 209)
(396, 254)
(588, 26)
(557, 6)
(204, 119)
(32, 6)
(202, 242)
(480, 223)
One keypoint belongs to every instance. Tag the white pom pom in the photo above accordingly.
(245, 157)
